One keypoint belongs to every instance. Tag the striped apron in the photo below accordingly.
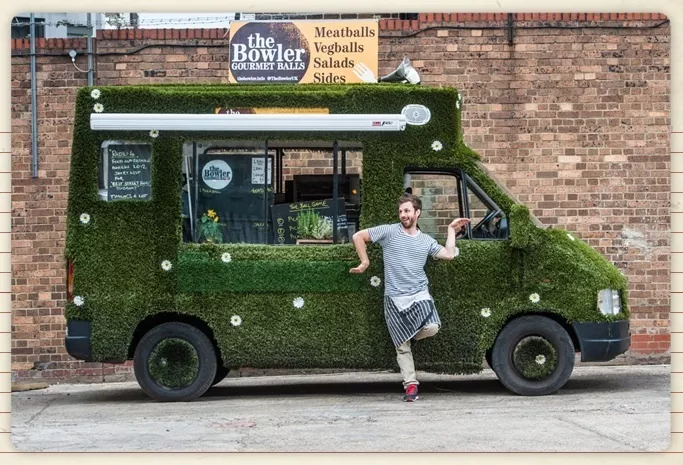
(403, 324)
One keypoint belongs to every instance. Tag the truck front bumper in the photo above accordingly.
(77, 339)
(603, 341)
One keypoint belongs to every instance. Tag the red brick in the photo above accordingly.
(589, 119)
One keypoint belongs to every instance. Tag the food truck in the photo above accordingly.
(202, 238)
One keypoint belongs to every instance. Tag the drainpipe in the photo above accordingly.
(90, 68)
(34, 101)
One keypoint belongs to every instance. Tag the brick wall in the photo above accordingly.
(574, 121)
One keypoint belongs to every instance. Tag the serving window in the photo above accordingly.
(278, 194)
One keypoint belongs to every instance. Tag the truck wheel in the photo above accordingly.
(221, 373)
(175, 362)
(489, 359)
(533, 356)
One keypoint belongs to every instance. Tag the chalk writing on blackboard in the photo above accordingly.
(129, 172)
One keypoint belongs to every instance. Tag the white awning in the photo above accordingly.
(247, 122)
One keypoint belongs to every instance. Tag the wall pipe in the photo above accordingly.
(34, 100)
(90, 67)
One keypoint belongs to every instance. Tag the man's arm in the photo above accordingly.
(448, 253)
(359, 240)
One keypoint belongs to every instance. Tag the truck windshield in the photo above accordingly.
(508, 193)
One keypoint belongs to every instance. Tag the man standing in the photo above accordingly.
(408, 307)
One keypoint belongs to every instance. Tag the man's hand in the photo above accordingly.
(448, 252)
(359, 240)
(458, 223)
(360, 268)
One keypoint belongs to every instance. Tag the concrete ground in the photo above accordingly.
(615, 409)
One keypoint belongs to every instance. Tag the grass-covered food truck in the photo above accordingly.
(209, 229)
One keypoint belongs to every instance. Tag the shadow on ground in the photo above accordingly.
(586, 384)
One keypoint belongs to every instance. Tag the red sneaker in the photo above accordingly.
(411, 393)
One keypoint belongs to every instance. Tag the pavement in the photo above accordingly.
(600, 409)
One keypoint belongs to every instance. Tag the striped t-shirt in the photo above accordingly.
(404, 258)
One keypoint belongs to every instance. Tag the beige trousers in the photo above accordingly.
(405, 357)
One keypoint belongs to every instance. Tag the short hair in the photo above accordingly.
(414, 199)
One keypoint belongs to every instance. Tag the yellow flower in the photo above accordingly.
(215, 220)
(211, 213)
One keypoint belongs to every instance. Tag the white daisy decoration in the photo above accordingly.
(457, 252)
(298, 302)
(99, 108)
(226, 257)
(570, 237)
(166, 265)
(85, 218)
(236, 320)
(79, 301)
(95, 93)
(486, 312)
(540, 359)
(534, 298)
(153, 133)
(436, 145)
(375, 281)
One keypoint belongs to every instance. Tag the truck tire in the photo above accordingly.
(175, 362)
(533, 356)
(221, 373)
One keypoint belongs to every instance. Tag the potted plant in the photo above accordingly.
(210, 227)
(313, 228)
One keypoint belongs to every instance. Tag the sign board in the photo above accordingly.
(285, 219)
(279, 110)
(129, 172)
(298, 52)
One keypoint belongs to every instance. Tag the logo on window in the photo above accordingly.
(217, 174)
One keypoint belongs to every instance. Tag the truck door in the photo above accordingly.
(471, 289)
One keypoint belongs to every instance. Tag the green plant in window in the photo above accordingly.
(310, 225)
(210, 227)
(323, 229)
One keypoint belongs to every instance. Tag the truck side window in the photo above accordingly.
(488, 220)
(125, 171)
(441, 201)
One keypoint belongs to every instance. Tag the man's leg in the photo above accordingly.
(428, 331)
(405, 362)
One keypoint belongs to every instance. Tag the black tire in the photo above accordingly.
(489, 359)
(199, 372)
(221, 373)
(552, 334)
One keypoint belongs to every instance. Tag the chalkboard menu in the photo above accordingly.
(129, 172)
(285, 219)
(232, 187)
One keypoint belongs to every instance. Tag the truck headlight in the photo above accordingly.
(609, 302)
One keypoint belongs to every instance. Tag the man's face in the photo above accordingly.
(408, 214)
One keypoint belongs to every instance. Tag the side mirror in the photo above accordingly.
(523, 232)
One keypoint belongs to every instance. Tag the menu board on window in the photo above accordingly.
(129, 174)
